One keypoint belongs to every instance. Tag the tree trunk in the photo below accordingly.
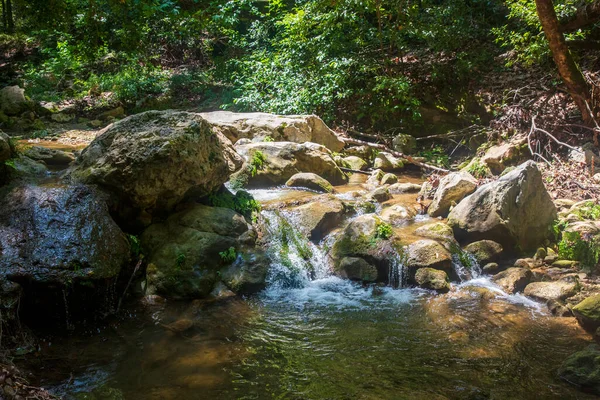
(10, 24)
(568, 70)
(586, 15)
(4, 23)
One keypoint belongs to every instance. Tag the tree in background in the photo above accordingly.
(567, 68)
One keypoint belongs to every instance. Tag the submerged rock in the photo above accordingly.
(285, 128)
(184, 252)
(514, 210)
(273, 163)
(451, 190)
(485, 251)
(310, 181)
(583, 369)
(150, 161)
(557, 290)
(429, 278)
(513, 280)
(58, 234)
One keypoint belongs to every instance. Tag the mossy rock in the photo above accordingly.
(357, 269)
(587, 312)
(429, 278)
(310, 181)
(583, 369)
(485, 251)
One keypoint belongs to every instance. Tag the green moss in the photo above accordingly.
(242, 202)
(257, 162)
(228, 256)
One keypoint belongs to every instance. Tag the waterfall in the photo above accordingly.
(295, 260)
(466, 266)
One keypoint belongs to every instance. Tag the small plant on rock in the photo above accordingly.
(228, 256)
(384, 231)
(258, 162)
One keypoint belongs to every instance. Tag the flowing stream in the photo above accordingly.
(311, 335)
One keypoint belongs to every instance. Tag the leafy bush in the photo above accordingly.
(257, 162)
(384, 231)
(228, 256)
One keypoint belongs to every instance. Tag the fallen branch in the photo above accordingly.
(534, 129)
(355, 171)
(395, 154)
(139, 263)
(473, 129)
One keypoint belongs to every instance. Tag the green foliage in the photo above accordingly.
(384, 230)
(242, 202)
(268, 139)
(478, 169)
(588, 210)
(586, 250)
(228, 256)
(179, 261)
(436, 155)
(135, 246)
(257, 162)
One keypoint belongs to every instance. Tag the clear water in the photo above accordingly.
(311, 335)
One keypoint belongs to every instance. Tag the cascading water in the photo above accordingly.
(466, 266)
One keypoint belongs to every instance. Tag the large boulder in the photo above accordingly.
(451, 190)
(356, 163)
(514, 210)
(184, 253)
(150, 161)
(428, 253)
(557, 290)
(513, 279)
(310, 181)
(318, 217)
(273, 163)
(285, 128)
(587, 312)
(12, 100)
(58, 234)
(583, 369)
(357, 269)
(361, 238)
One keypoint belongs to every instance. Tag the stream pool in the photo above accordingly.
(320, 338)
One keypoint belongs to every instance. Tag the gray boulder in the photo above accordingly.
(451, 190)
(12, 100)
(48, 156)
(514, 210)
(557, 290)
(428, 253)
(150, 161)
(513, 280)
(310, 181)
(429, 278)
(284, 128)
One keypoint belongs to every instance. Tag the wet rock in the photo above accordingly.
(220, 291)
(513, 280)
(148, 162)
(514, 210)
(25, 167)
(318, 217)
(583, 369)
(587, 312)
(491, 268)
(360, 239)
(397, 214)
(10, 297)
(428, 254)
(247, 274)
(58, 234)
(179, 326)
(374, 180)
(498, 157)
(310, 181)
(484, 251)
(49, 156)
(357, 269)
(6, 153)
(400, 188)
(429, 278)
(183, 252)
(387, 162)
(282, 160)
(403, 143)
(12, 100)
(381, 194)
(558, 290)
(389, 179)
(451, 190)
(355, 163)
(558, 308)
(288, 128)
